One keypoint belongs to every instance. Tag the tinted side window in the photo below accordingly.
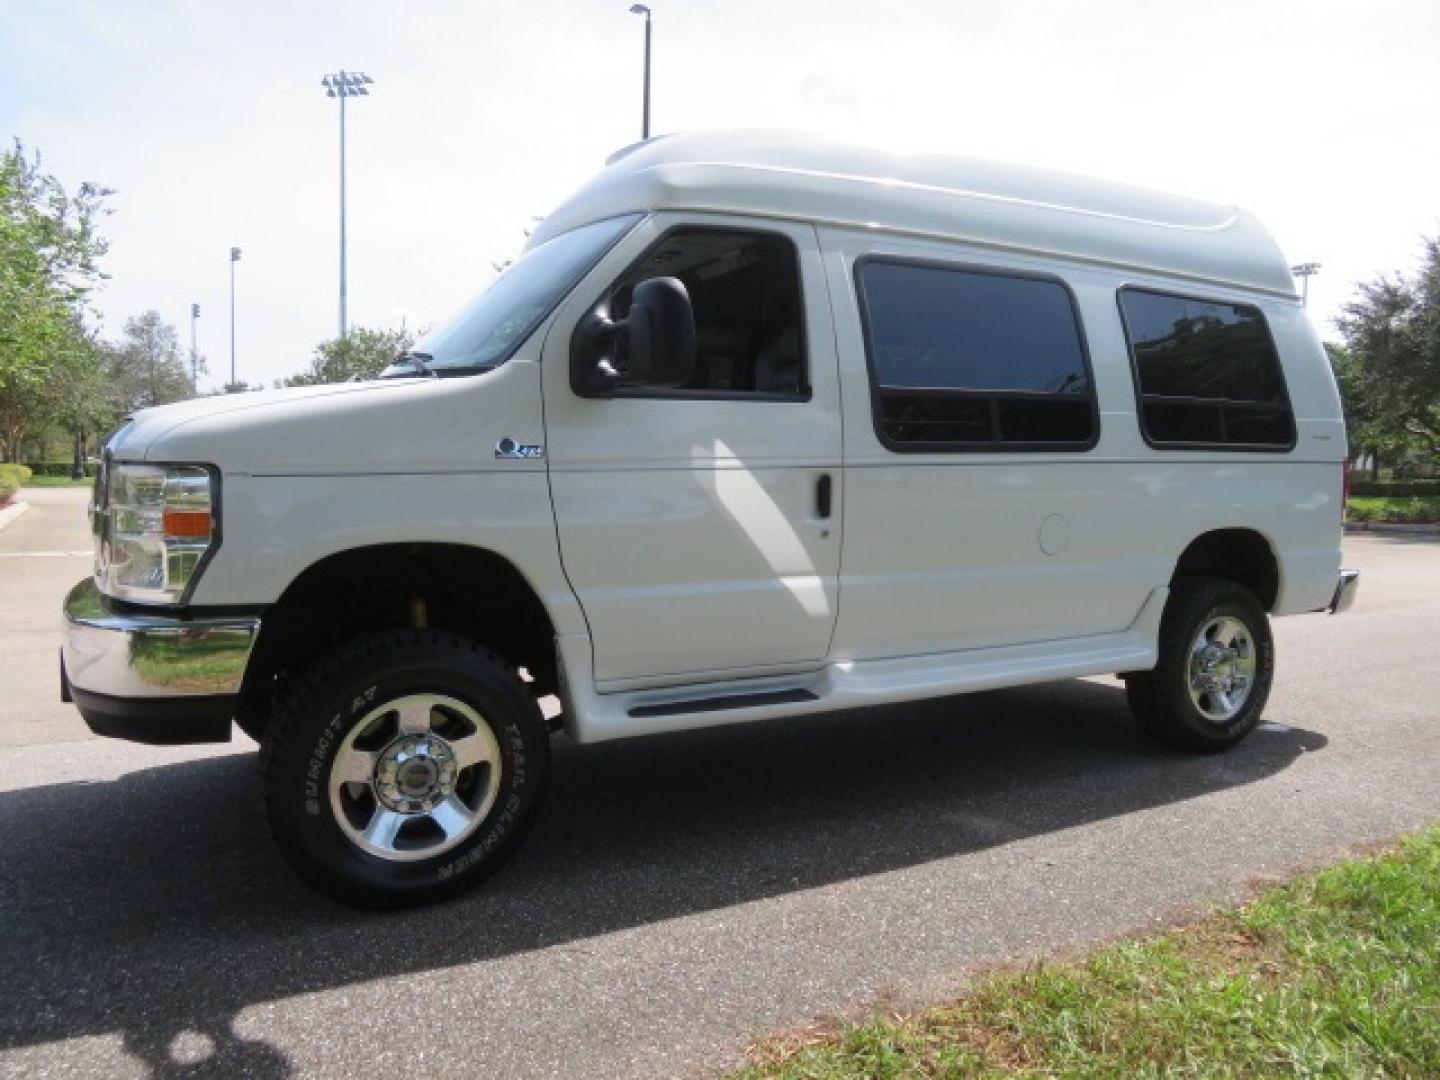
(745, 291)
(1207, 372)
(966, 359)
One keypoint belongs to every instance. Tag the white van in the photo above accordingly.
(756, 426)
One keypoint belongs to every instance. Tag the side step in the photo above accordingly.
(592, 716)
(720, 704)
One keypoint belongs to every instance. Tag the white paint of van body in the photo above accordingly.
(675, 543)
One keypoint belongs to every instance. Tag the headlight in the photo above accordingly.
(155, 524)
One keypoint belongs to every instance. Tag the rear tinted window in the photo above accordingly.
(970, 359)
(1207, 372)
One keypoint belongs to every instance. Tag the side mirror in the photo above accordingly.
(654, 344)
(660, 333)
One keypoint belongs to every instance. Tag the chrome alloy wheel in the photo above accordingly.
(1222, 668)
(414, 777)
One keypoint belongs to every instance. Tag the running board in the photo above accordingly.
(720, 704)
(594, 717)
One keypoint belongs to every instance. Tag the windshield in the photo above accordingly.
(497, 321)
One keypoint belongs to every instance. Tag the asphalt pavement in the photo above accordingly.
(681, 895)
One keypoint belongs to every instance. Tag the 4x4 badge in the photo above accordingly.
(509, 449)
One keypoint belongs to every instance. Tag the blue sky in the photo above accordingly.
(209, 120)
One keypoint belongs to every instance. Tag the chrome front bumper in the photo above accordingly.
(1345, 591)
(152, 677)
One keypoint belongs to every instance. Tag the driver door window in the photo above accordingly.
(749, 327)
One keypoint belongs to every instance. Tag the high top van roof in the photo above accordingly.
(1012, 207)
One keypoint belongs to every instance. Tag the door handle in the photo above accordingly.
(823, 491)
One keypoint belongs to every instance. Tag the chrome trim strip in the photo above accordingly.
(1345, 590)
(130, 655)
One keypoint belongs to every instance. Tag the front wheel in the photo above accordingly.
(1216, 665)
(403, 769)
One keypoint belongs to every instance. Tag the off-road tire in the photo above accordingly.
(1161, 700)
(313, 716)
(252, 725)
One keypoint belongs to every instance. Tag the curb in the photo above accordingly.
(13, 511)
(1399, 528)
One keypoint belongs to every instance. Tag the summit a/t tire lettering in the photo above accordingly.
(403, 769)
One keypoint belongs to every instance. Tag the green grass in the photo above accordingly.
(1336, 974)
(1406, 508)
(38, 481)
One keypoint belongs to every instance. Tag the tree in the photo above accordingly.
(361, 354)
(1366, 435)
(80, 399)
(49, 254)
(72, 395)
(147, 365)
(1392, 334)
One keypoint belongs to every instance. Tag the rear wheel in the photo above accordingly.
(1216, 665)
(403, 769)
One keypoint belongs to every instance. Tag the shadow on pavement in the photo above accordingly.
(155, 905)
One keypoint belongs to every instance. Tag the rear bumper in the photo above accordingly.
(152, 677)
(1345, 590)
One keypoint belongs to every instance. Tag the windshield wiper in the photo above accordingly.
(417, 361)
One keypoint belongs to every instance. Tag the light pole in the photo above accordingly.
(194, 355)
(1304, 271)
(234, 258)
(641, 9)
(342, 85)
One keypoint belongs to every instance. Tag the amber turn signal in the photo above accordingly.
(187, 523)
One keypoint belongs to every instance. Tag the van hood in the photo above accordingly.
(150, 429)
(411, 426)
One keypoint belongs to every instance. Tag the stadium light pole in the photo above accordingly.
(194, 355)
(1304, 271)
(342, 85)
(641, 9)
(234, 258)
